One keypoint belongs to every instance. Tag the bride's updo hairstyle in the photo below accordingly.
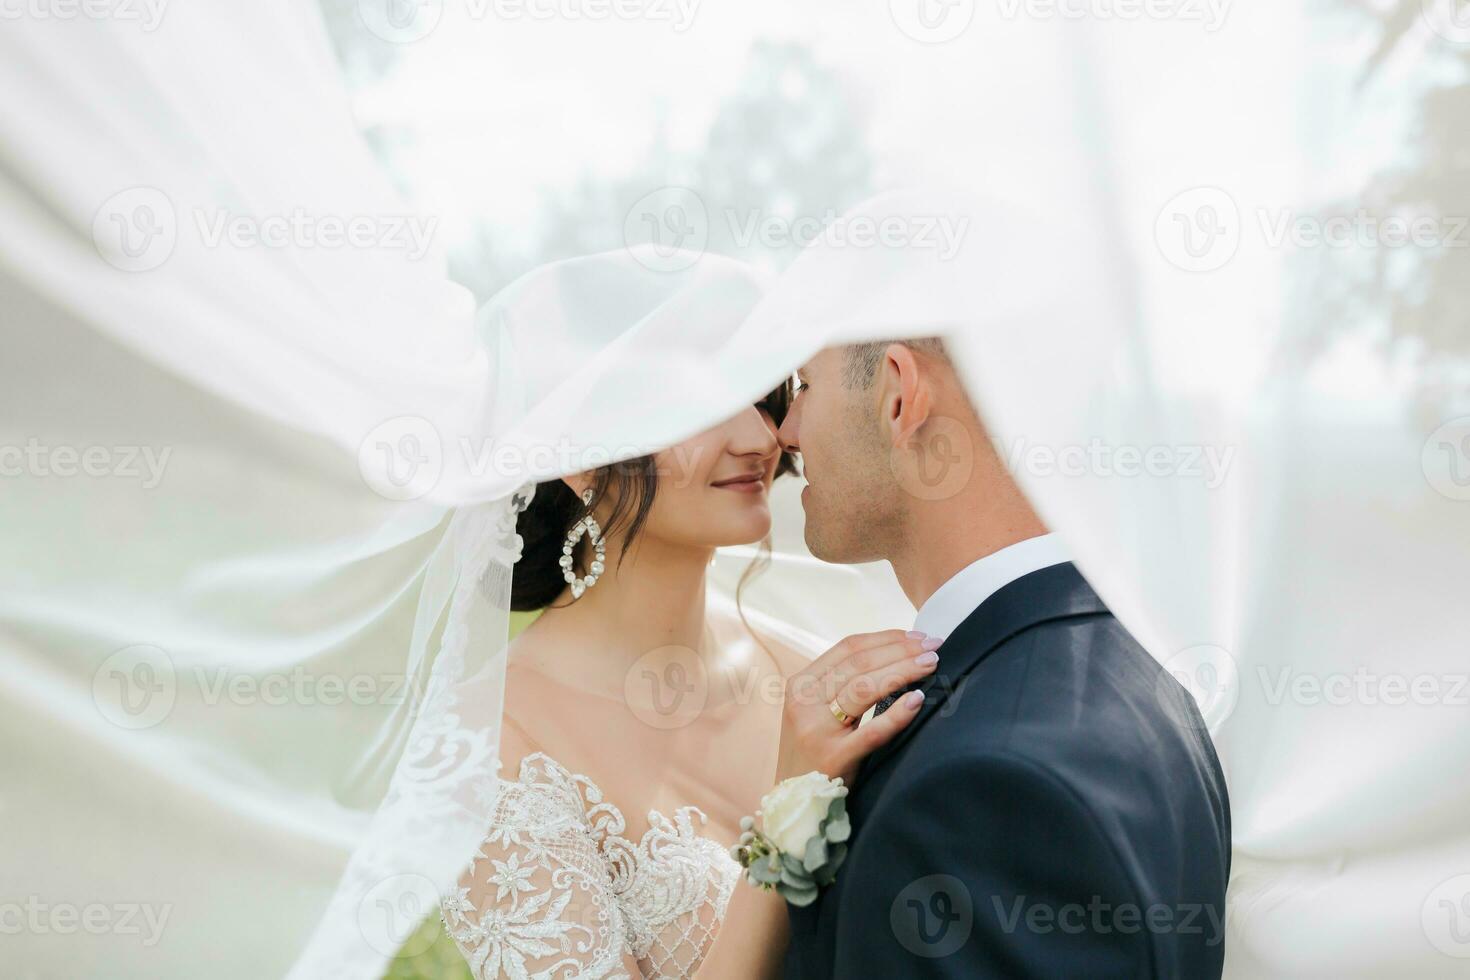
(555, 509)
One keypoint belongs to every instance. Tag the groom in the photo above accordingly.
(1055, 809)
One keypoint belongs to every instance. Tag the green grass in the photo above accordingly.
(441, 961)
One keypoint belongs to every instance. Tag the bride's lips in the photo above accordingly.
(745, 483)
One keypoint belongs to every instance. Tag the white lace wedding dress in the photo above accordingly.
(557, 892)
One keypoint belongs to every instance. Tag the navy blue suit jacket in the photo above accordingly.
(1055, 810)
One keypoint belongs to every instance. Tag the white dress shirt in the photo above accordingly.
(952, 603)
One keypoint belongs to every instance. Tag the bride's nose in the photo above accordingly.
(753, 435)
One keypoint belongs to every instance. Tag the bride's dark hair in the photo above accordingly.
(537, 579)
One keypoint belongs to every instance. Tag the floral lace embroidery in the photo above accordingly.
(557, 892)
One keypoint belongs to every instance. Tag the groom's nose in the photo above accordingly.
(786, 435)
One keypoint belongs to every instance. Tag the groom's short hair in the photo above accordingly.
(860, 365)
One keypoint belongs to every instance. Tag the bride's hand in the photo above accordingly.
(854, 675)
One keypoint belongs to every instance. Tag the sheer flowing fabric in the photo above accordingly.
(260, 497)
(257, 548)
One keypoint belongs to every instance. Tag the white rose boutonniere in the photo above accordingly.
(802, 840)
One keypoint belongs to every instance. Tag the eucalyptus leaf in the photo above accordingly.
(800, 897)
(837, 830)
(796, 879)
(761, 873)
(816, 854)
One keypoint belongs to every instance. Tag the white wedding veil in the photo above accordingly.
(259, 490)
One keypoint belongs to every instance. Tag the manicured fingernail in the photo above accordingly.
(913, 699)
(915, 635)
(927, 659)
(931, 643)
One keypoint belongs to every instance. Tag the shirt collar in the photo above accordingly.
(953, 601)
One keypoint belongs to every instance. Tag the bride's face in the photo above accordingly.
(713, 489)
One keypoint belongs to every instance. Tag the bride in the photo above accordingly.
(646, 715)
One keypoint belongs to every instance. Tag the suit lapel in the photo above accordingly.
(1051, 593)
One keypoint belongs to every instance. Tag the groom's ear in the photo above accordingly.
(907, 395)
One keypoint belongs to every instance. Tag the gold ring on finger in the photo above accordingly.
(843, 718)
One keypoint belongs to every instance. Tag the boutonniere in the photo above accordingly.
(801, 840)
